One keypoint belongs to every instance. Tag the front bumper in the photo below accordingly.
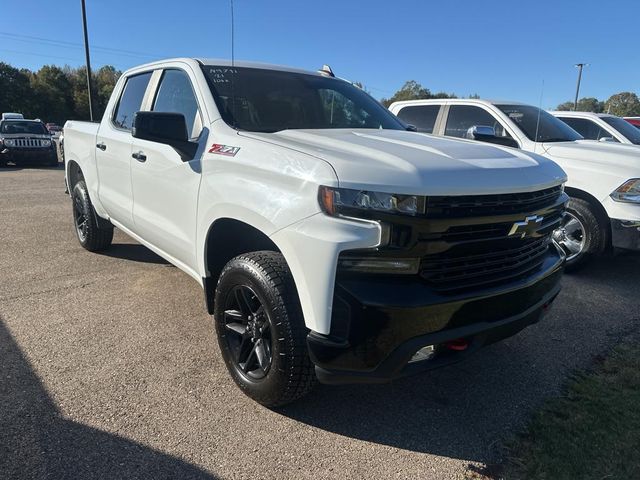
(380, 323)
(29, 155)
(625, 234)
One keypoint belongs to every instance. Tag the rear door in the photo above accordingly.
(165, 187)
(113, 151)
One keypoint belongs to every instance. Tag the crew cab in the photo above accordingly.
(601, 126)
(330, 242)
(25, 141)
(604, 178)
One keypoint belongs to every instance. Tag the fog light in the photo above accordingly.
(380, 265)
(425, 353)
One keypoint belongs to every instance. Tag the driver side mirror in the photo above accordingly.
(165, 127)
(607, 139)
(485, 133)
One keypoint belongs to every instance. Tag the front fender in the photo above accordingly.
(311, 248)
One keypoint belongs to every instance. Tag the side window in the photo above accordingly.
(176, 95)
(422, 116)
(587, 128)
(131, 100)
(462, 117)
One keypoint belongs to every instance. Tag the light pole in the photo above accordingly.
(580, 67)
(86, 52)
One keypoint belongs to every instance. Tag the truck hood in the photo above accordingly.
(615, 154)
(396, 161)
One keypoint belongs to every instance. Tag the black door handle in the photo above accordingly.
(140, 156)
(101, 146)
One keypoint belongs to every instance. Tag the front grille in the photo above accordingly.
(466, 241)
(490, 205)
(29, 142)
(453, 273)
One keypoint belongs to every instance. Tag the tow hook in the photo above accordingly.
(458, 345)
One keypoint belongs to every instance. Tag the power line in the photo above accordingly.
(63, 44)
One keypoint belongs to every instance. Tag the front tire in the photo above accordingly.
(582, 235)
(261, 329)
(89, 234)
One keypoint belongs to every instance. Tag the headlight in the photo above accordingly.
(336, 201)
(629, 192)
(46, 143)
(9, 142)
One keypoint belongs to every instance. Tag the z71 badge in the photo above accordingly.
(224, 150)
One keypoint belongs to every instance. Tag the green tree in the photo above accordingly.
(14, 89)
(623, 104)
(586, 104)
(411, 90)
(52, 94)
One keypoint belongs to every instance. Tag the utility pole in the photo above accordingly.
(86, 51)
(580, 67)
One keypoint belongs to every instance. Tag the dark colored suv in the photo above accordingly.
(26, 141)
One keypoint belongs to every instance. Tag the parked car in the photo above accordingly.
(25, 141)
(330, 242)
(604, 178)
(54, 130)
(601, 126)
(635, 121)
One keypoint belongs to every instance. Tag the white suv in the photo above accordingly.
(604, 177)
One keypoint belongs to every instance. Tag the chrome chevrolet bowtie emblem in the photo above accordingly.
(528, 228)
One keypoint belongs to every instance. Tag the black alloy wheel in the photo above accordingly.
(248, 332)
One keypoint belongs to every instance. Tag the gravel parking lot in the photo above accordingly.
(109, 368)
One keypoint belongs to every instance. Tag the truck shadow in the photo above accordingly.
(37, 442)
(467, 410)
(134, 252)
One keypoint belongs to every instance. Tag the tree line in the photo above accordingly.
(623, 104)
(55, 94)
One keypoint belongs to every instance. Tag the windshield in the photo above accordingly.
(625, 128)
(17, 127)
(549, 128)
(272, 100)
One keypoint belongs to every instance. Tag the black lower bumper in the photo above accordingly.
(29, 155)
(625, 234)
(381, 324)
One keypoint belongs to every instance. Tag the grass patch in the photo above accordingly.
(592, 432)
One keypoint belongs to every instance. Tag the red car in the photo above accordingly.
(635, 121)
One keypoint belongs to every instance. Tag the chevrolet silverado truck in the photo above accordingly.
(604, 177)
(25, 142)
(331, 243)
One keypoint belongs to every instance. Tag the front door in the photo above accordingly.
(165, 186)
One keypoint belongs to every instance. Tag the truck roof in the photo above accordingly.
(438, 101)
(225, 63)
(566, 113)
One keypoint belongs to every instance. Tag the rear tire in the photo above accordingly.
(261, 330)
(583, 234)
(89, 234)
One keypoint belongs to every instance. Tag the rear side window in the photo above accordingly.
(588, 129)
(423, 117)
(131, 100)
(462, 117)
(176, 95)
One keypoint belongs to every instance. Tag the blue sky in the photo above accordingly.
(501, 49)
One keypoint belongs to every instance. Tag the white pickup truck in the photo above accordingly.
(600, 126)
(604, 177)
(331, 244)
